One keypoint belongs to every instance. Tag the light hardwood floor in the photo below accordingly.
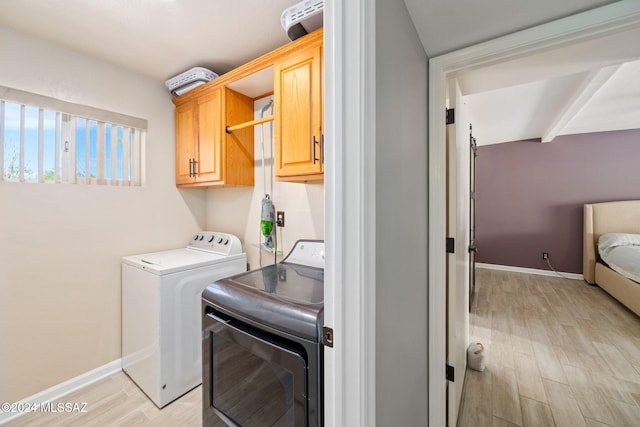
(559, 353)
(117, 401)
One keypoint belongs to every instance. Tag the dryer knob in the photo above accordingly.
(211, 239)
(201, 237)
(226, 242)
(220, 240)
(195, 237)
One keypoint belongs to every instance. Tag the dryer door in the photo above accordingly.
(251, 378)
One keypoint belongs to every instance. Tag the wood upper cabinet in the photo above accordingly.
(210, 135)
(206, 155)
(186, 142)
(299, 115)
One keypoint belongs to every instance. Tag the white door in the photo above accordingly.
(457, 262)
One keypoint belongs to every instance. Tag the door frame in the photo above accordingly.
(597, 22)
(350, 201)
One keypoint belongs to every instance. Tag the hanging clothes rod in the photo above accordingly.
(230, 129)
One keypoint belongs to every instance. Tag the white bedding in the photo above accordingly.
(621, 252)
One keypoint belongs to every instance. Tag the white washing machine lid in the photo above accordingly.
(172, 261)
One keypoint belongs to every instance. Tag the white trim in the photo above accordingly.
(60, 390)
(597, 22)
(334, 397)
(437, 256)
(529, 271)
(350, 212)
(368, 206)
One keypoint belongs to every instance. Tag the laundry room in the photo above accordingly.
(65, 232)
(178, 165)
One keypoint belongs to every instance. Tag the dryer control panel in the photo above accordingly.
(307, 252)
(217, 242)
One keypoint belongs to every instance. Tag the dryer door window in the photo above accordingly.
(256, 379)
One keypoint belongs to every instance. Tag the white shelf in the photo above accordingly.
(266, 249)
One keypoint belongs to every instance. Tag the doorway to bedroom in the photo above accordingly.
(478, 124)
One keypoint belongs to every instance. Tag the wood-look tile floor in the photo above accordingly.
(117, 401)
(559, 353)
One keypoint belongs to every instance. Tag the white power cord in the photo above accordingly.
(555, 271)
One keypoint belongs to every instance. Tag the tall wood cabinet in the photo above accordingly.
(206, 155)
(298, 93)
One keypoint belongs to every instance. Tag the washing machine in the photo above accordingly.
(161, 312)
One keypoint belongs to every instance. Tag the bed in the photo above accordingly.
(599, 219)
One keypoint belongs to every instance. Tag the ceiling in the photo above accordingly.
(444, 26)
(582, 88)
(162, 38)
(156, 38)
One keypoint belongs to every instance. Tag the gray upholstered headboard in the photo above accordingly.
(601, 218)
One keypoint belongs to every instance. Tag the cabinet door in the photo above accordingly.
(298, 105)
(208, 166)
(185, 142)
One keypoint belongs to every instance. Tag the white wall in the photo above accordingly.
(237, 210)
(60, 245)
(401, 219)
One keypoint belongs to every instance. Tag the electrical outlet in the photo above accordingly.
(280, 218)
(545, 255)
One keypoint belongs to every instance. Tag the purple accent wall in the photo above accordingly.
(529, 195)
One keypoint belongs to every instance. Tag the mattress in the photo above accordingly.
(621, 252)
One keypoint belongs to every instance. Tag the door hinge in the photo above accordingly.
(451, 116)
(327, 336)
(451, 245)
(450, 373)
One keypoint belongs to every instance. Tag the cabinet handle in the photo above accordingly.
(195, 162)
(190, 168)
(315, 142)
(322, 148)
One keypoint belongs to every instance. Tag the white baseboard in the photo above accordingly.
(60, 390)
(529, 271)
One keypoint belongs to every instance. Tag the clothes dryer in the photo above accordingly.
(262, 343)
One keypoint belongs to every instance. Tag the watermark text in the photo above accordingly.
(51, 407)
